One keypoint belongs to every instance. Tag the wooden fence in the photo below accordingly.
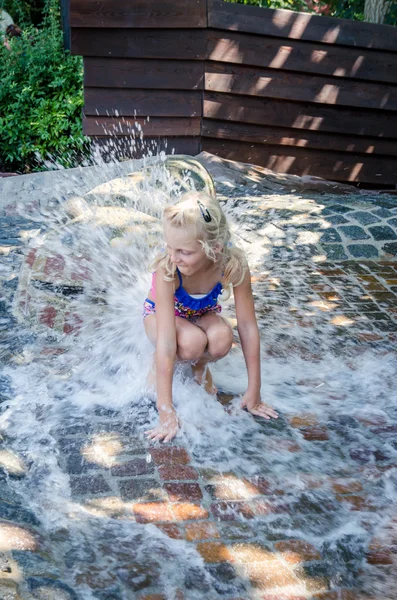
(294, 92)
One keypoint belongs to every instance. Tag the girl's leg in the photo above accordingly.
(220, 339)
(191, 341)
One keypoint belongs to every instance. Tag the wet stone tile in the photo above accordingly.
(383, 213)
(232, 511)
(347, 487)
(201, 531)
(45, 587)
(225, 580)
(336, 208)
(335, 252)
(178, 492)
(270, 575)
(71, 445)
(315, 433)
(138, 466)
(337, 219)
(152, 512)
(15, 512)
(391, 248)
(72, 429)
(363, 250)
(353, 232)
(76, 464)
(214, 552)
(141, 490)
(361, 454)
(379, 556)
(382, 232)
(171, 530)
(177, 473)
(101, 411)
(297, 551)
(197, 578)
(89, 485)
(138, 576)
(187, 511)
(173, 456)
(329, 236)
(238, 531)
(32, 563)
(363, 217)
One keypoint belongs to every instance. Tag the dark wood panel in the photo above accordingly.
(242, 48)
(305, 161)
(141, 73)
(155, 103)
(279, 136)
(121, 147)
(138, 13)
(300, 115)
(300, 26)
(140, 43)
(268, 83)
(98, 126)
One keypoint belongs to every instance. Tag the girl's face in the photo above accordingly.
(184, 250)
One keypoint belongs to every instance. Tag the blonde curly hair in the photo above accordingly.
(189, 211)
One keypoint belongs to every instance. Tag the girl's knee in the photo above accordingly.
(192, 346)
(219, 345)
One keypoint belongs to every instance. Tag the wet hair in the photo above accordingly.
(205, 215)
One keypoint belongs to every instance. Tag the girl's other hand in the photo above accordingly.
(167, 429)
(256, 407)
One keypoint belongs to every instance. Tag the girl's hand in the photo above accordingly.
(255, 406)
(167, 429)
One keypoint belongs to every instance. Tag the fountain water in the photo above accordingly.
(236, 507)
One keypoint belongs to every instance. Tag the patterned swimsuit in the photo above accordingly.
(187, 306)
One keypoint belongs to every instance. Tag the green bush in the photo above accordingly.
(41, 99)
(343, 9)
(25, 12)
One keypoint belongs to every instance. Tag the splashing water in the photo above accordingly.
(76, 408)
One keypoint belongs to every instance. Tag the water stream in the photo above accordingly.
(75, 407)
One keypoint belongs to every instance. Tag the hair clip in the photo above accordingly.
(204, 211)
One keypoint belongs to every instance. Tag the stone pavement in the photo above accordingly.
(316, 520)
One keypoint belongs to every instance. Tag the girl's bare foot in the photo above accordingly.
(203, 376)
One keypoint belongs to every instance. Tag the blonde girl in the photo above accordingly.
(182, 313)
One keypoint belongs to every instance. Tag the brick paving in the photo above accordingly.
(272, 535)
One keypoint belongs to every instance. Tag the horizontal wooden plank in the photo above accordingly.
(153, 127)
(138, 13)
(300, 115)
(141, 73)
(279, 136)
(300, 26)
(291, 55)
(268, 83)
(153, 103)
(121, 147)
(140, 43)
(303, 161)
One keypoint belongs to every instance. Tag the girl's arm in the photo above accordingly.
(165, 359)
(250, 341)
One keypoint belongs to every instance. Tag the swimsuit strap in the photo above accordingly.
(180, 277)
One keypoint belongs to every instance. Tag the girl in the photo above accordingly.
(182, 314)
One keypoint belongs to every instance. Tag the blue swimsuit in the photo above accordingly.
(187, 306)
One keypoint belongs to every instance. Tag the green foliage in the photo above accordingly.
(343, 9)
(299, 5)
(25, 12)
(41, 99)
